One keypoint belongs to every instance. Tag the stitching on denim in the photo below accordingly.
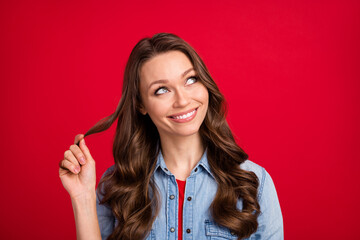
(213, 229)
(167, 208)
(262, 183)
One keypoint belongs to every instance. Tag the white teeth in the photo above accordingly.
(185, 115)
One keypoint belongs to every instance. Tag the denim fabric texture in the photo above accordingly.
(200, 191)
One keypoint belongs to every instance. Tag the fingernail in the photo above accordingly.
(77, 169)
(82, 160)
(83, 141)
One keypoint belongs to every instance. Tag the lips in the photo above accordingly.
(184, 115)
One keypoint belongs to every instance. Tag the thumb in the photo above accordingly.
(85, 149)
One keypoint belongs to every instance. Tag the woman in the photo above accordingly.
(178, 172)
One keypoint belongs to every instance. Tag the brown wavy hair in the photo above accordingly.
(130, 190)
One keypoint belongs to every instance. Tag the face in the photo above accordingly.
(172, 94)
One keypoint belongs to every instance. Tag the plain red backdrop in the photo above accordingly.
(288, 69)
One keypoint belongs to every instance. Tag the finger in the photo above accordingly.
(85, 150)
(78, 138)
(79, 155)
(69, 155)
(67, 165)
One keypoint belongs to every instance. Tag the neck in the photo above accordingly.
(181, 154)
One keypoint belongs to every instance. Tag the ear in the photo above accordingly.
(142, 109)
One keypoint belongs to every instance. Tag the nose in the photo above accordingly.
(182, 99)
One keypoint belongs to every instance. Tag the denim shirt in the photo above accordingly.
(200, 191)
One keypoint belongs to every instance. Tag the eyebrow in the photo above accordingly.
(166, 81)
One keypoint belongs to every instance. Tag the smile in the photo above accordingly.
(184, 117)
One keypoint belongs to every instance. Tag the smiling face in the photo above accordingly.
(172, 95)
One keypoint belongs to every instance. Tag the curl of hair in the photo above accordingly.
(130, 190)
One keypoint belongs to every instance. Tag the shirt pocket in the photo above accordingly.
(214, 231)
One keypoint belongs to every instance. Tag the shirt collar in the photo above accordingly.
(160, 162)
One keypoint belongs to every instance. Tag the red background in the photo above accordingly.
(288, 69)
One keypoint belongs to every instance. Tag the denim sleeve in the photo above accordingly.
(270, 219)
(105, 216)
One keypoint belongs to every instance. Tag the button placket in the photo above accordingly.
(188, 208)
(172, 206)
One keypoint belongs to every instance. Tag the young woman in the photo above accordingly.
(178, 172)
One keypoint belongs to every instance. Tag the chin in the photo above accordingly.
(187, 132)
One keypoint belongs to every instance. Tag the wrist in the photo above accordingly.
(84, 205)
(84, 198)
(86, 220)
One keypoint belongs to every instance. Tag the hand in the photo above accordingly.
(77, 169)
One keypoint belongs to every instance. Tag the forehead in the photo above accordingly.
(169, 65)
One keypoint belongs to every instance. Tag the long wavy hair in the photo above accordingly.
(130, 189)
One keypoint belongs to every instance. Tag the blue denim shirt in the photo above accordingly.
(197, 221)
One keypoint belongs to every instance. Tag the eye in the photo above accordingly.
(191, 80)
(161, 90)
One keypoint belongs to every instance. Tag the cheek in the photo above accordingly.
(205, 100)
(157, 110)
(202, 95)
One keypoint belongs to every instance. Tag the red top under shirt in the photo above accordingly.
(181, 185)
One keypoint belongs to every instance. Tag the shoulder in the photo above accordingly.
(106, 218)
(270, 219)
(108, 171)
(250, 166)
(263, 176)
(101, 187)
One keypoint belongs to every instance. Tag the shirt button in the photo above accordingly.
(188, 230)
(232, 233)
(172, 197)
(189, 198)
(172, 229)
